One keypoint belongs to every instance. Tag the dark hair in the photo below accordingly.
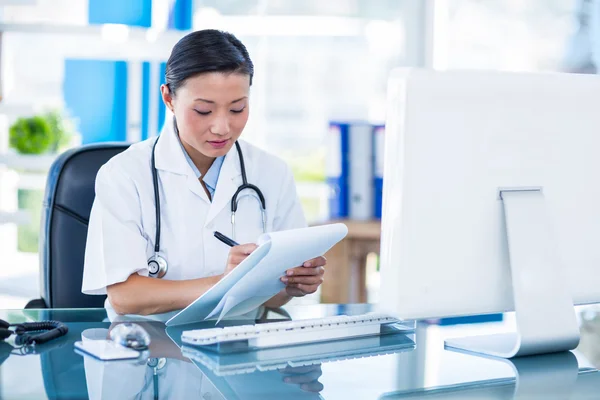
(207, 50)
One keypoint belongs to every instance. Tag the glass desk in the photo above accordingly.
(400, 367)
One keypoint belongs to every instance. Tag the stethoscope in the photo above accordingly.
(157, 265)
(155, 365)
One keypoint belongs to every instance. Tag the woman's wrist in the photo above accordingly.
(279, 300)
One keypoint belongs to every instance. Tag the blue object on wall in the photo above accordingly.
(95, 93)
(161, 106)
(145, 99)
(180, 17)
(127, 12)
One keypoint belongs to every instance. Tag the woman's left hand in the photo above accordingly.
(305, 279)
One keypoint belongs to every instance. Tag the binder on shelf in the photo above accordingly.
(360, 178)
(337, 170)
(378, 153)
(350, 170)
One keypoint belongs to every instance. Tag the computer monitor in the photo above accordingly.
(492, 202)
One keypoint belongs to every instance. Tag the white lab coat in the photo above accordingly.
(122, 226)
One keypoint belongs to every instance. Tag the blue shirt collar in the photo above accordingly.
(212, 175)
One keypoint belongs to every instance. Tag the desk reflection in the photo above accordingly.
(167, 373)
(550, 376)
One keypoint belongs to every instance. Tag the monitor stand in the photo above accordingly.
(545, 315)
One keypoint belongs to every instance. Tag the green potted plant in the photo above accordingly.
(31, 135)
(50, 132)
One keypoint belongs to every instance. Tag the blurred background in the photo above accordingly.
(83, 71)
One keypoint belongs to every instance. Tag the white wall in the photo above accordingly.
(47, 11)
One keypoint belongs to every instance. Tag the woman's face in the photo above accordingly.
(211, 110)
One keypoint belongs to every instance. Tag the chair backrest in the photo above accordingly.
(70, 192)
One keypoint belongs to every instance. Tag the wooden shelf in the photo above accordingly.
(346, 262)
(366, 230)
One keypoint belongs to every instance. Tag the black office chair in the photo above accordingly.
(67, 205)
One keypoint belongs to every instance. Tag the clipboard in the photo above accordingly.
(256, 279)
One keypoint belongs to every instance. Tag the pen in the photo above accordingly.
(225, 239)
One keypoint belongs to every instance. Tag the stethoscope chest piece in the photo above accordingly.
(158, 363)
(157, 266)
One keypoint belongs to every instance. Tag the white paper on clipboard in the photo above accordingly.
(257, 278)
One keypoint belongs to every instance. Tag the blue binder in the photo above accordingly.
(337, 168)
(350, 170)
(378, 153)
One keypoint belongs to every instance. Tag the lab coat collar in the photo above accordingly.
(169, 152)
(169, 157)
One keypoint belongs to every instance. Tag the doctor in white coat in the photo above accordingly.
(150, 244)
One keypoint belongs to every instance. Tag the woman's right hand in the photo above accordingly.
(237, 254)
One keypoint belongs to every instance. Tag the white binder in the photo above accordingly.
(360, 182)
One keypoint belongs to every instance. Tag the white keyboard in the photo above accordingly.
(201, 357)
(292, 332)
(299, 355)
